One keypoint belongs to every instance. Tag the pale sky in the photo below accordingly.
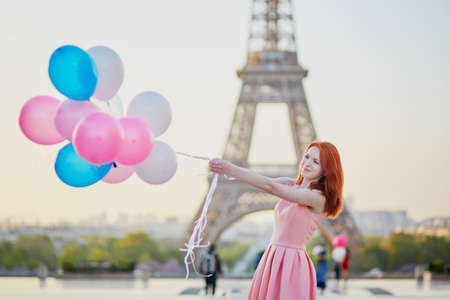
(378, 88)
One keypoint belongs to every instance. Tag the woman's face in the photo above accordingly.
(311, 168)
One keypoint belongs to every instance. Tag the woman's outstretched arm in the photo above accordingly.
(284, 180)
(269, 185)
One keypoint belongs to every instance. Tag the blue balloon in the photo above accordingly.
(73, 72)
(75, 171)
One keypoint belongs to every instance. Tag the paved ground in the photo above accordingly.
(354, 289)
(192, 289)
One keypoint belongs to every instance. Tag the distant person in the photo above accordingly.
(321, 272)
(285, 271)
(337, 273)
(211, 267)
(346, 265)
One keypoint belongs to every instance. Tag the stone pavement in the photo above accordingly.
(192, 289)
(355, 289)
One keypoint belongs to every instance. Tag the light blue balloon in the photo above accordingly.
(75, 171)
(73, 72)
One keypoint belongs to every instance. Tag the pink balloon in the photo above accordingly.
(36, 120)
(69, 113)
(118, 173)
(98, 138)
(340, 241)
(138, 141)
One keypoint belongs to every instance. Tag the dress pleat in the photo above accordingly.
(285, 271)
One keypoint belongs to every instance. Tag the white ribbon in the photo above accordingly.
(200, 224)
(196, 236)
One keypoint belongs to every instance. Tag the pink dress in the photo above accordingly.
(285, 271)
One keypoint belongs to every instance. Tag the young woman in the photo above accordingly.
(285, 271)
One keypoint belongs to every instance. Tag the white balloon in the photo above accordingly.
(112, 106)
(109, 72)
(159, 166)
(338, 254)
(116, 107)
(152, 108)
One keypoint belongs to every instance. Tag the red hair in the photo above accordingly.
(332, 180)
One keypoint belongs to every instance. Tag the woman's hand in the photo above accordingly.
(220, 166)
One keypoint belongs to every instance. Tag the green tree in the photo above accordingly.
(33, 250)
(134, 248)
(360, 262)
(437, 266)
(171, 249)
(96, 255)
(375, 253)
(433, 248)
(230, 253)
(104, 243)
(403, 249)
(371, 256)
(172, 252)
(8, 255)
(72, 257)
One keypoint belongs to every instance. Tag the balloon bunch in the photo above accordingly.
(101, 147)
(339, 251)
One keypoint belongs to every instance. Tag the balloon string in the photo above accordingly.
(203, 158)
(51, 155)
(200, 224)
(196, 236)
(108, 106)
(193, 156)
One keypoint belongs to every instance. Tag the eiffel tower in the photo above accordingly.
(272, 75)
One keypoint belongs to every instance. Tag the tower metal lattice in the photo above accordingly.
(272, 74)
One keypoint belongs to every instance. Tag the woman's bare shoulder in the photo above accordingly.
(319, 208)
